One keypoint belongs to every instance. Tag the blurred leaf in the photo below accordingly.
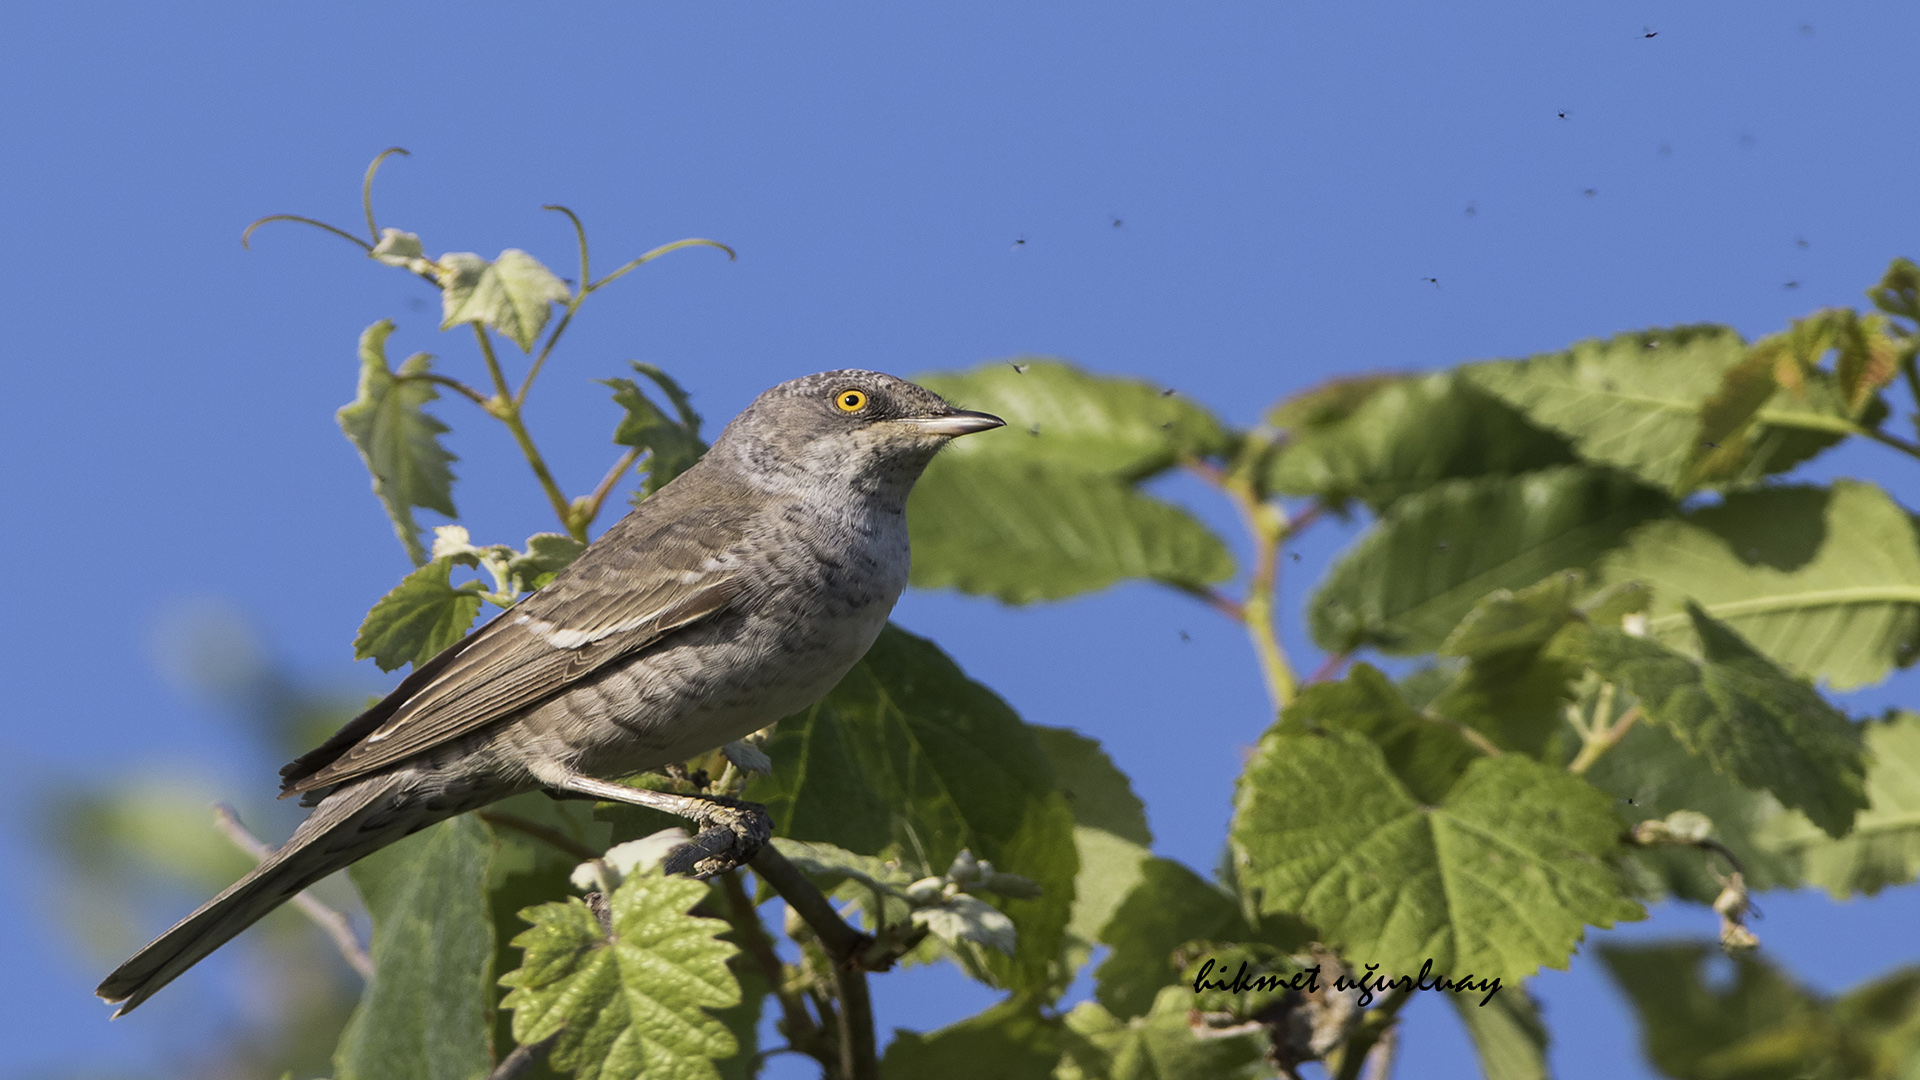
(1170, 907)
(426, 1014)
(1027, 531)
(1157, 1046)
(1423, 753)
(1377, 439)
(547, 554)
(1504, 619)
(672, 445)
(397, 440)
(1746, 716)
(637, 1003)
(1495, 881)
(1827, 582)
(423, 614)
(401, 249)
(513, 294)
(908, 759)
(1507, 1034)
(1898, 292)
(1109, 827)
(1009, 1041)
(968, 918)
(1760, 1027)
(1884, 847)
(1120, 428)
(1421, 568)
(1652, 775)
(1881, 1022)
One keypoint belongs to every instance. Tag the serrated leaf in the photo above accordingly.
(1651, 776)
(672, 445)
(1420, 569)
(1425, 754)
(1158, 1046)
(1378, 439)
(1760, 1025)
(426, 1014)
(1010, 1041)
(1884, 847)
(1507, 1034)
(547, 554)
(1116, 427)
(401, 249)
(1499, 878)
(1827, 582)
(397, 440)
(1744, 715)
(968, 918)
(423, 614)
(1630, 401)
(637, 1003)
(1898, 292)
(1028, 531)
(1109, 827)
(513, 294)
(837, 864)
(1170, 907)
(908, 759)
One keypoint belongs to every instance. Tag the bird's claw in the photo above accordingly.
(732, 833)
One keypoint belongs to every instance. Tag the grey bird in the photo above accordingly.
(739, 593)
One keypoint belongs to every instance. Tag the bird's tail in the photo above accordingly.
(352, 822)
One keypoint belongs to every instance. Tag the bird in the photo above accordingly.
(737, 594)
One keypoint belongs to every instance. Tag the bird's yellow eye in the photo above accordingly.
(850, 400)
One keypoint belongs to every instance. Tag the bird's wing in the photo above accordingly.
(622, 594)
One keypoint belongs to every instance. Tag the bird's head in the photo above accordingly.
(863, 429)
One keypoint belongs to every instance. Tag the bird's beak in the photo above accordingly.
(957, 422)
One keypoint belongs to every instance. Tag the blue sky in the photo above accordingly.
(1237, 200)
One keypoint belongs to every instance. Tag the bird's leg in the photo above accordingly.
(732, 831)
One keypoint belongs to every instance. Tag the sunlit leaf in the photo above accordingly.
(1109, 827)
(636, 1003)
(1010, 1041)
(1507, 1034)
(1160, 1045)
(423, 614)
(1500, 877)
(397, 440)
(672, 444)
(514, 294)
(1884, 847)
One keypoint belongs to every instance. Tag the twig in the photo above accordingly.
(1329, 667)
(539, 832)
(843, 945)
(503, 406)
(333, 922)
(523, 1058)
(1373, 1027)
(455, 385)
(800, 1029)
(1604, 741)
(1215, 599)
(589, 508)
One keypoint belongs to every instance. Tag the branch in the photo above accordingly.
(1329, 667)
(455, 385)
(1603, 742)
(800, 1029)
(843, 944)
(522, 1059)
(585, 510)
(507, 410)
(1213, 598)
(334, 923)
(1372, 1030)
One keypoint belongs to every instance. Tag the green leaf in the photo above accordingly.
(1109, 827)
(1884, 847)
(1158, 1046)
(426, 1014)
(1898, 293)
(1826, 582)
(672, 445)
(397, 440)
(1505, 619)
(423, 614)
(513, 294)
(1010, 1041)
(1025, 530)
(1170, 907)
(1494, 881)
(1120, 428)
(547, 554)
(401, 249)
(636, 1003)
(1651, 775)
(1425, 754)
(1744, 715)
(1630, 401)
(1421, 568)
(1378, 439)
(908, 759)
(1507, 1033)
(1760, 1026)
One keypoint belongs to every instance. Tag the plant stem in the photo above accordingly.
(1372, 1028)
(1835, 425)
(800, 1030)
(1603, 740)
(454, 385)
(329, 920)
(507, 410)
(526, 384)
(843, 944)
(589, 508)
(1268, 525)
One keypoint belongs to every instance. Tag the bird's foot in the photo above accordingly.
(732, 832)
